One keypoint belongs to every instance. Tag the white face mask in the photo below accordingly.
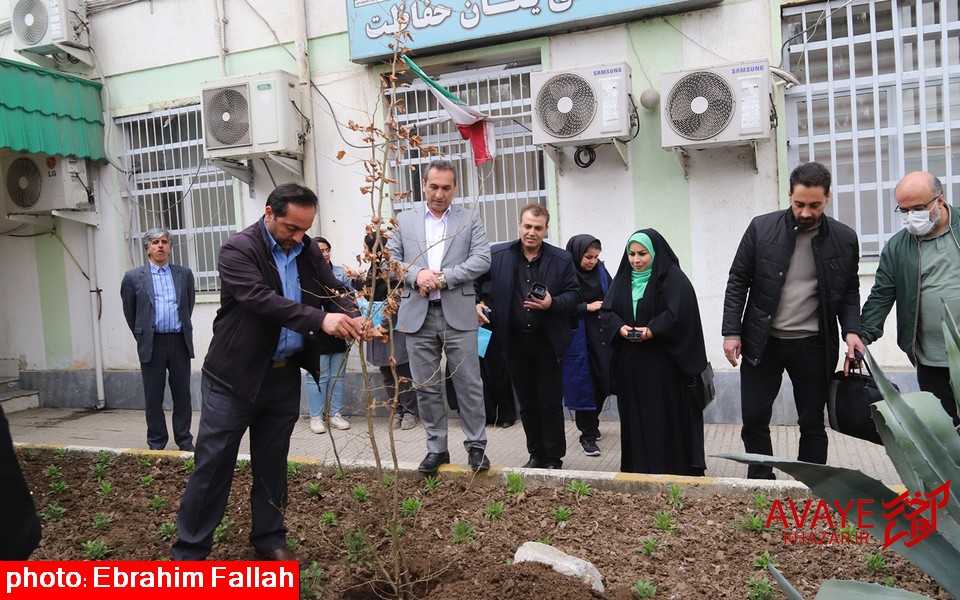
(918, 222)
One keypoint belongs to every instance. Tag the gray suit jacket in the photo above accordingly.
(136, 292)
(466, 256)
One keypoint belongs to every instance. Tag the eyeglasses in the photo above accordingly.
(920, 208)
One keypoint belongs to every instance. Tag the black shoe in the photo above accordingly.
(533, 463)
(188, 447)
(505, 424)
(431, 463)
(590, 447)
(477, 459)
(553, 465)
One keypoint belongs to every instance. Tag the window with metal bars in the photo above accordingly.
(879, 98)
(170, 185)
(500, 187)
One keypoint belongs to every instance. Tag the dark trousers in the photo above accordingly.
(538, 379)
(936, 380)
(20, 526)
(170, 355)
(588, 421)
(223, 421)
(407, 400)
(804, 361)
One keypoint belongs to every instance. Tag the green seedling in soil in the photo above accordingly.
(53, 512)
(764, 560)
(101, 522)
(890, 581)
(105, 458)
(26, 452)
(545, 540)
(760, 589)
(146, 480)
(431, 483)
(751, 524)
(328, 519)
(166, 530)
(52, 472)
(58, 487)
(850, 531)
(188, 464)
(360, 493)
(310, 580)
(95, 549)
(874, 562)
(293, 544)
(223, 532)
(463, 532)
(242, 465)
(561, 514)
(648, 546)
(103, 491)
(761, 502)
(494, 511)
(145, 463)
(410, 507)
(644, 589)
(516, 483)
(314, 489)
(357, 547)
(292, 469)
(99, 471)
(676, 496)
(580, 489)
(157, 503)
(387, 479)
(665, 522)
(62, 452)
(340, 475)
(395, 531)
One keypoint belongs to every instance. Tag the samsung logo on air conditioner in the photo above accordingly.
(751, 69)
(610, 71)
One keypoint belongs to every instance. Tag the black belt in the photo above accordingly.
(435, 304)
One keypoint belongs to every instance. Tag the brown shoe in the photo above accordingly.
(278, 554)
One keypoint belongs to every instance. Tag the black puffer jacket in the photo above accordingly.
(760, 268)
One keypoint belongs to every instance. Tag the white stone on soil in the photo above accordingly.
(561, 563)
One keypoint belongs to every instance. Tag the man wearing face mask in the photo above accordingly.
(920, 270)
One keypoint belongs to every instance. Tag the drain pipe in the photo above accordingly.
(95, 319)
(306, 98)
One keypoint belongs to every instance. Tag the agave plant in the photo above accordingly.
(921, 441)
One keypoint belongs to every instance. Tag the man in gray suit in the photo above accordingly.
(444, 249)
(158, 305)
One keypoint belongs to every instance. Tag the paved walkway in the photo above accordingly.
(118, 428)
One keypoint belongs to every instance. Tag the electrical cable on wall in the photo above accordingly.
(584, 156)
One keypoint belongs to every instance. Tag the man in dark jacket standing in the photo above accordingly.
(793, 278)
(274, 304)
(531, 290)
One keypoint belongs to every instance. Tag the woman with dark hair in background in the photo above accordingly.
(653, 319)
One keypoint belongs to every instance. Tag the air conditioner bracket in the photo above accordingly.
(237, 169)
(38, 220)
(293, 165)
(82, 55)
(89, 217)
(684, 159)
(622, 151)
(556, 155)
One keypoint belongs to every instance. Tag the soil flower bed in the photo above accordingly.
(459, 534)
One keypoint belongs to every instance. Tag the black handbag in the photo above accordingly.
(706, 391)
(848, 404)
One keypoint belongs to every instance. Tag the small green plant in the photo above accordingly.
(26, 452)
(761, 502)
(360, 493)
(310, 580)
(665, 522)
(675, 497)
(105, 458)
(101, 522)
(340, 475)
(314, 489)
(166, 530)
(874, 562)
(580, 489)
(397, 531)
(848, 531)
(387, 479)
(188, 464)
(157, 503)
(99, 471)
(431, 483)
(760, 589)
(545, 540)
(242, 465)
(58, 487)
(494, 511)
(516, 483)
(328, 519)
(95, 549)
(145, 463)
(357, 547)
(146, 480)
(53, 512)
(52, 472)
(644, 589)
(103, 491)
(890, 581)
(751, 524)
(561, 514)
(463, 532)
(293, 544)
(223, 533)
(410, 507)
(648, 546)
(292, 469)
(62, 452)
(764, 560)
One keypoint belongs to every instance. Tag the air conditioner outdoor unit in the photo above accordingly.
(250, 116)
(582, 106)
(715, 106)
(38, 26)
(39, 183)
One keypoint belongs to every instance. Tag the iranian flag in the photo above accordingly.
(473, 124)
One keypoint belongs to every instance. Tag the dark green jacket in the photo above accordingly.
(898, 280)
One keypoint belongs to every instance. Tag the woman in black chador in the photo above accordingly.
(652, 315)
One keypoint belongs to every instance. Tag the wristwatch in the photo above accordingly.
(442, 279)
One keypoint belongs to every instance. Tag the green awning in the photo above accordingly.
(49, 112)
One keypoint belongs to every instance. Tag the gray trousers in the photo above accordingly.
(425, 347)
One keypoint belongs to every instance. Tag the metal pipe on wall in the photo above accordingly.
(95, 317)
(306, 99)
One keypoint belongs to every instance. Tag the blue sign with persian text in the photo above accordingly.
(443, 25)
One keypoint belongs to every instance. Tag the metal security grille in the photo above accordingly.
(170, 185)
(879, 98)
(499, 187)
